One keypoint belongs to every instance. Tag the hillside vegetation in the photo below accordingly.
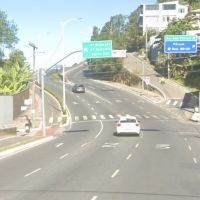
(126, 34)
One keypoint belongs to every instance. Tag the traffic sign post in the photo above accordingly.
(180, 44)
(97, 49)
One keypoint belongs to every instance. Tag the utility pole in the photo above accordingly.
(33, 87)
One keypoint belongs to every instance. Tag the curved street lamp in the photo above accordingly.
(63, 24)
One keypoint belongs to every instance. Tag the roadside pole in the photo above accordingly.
(199, 102)
(33, 86)
(168, 69)
(43, 108)
(143, 75)
(64, 95)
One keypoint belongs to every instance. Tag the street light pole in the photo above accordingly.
(43, 108)
(63, 24)
(63, 81)
(33, 87)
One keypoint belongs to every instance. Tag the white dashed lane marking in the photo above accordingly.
(33, 172)
(63, 156)
(115, 173)
(129, 156)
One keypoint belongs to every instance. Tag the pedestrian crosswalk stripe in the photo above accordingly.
(168, 102)
(94, 117)
(138, 116)
(59, 119)
(118, 100)
(76, 118)
(111, 116)
(102, 116)
(85, 117)
(164, 117)
(175, 102)
(155, 116)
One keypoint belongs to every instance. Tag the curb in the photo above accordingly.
(21, 148)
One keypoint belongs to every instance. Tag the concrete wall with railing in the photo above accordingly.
(10, 106)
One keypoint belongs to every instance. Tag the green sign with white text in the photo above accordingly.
(97, 49)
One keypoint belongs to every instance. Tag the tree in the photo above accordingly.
(16, 56)
(95, 33)
(15, 74)
(134, 38)
(8, 31)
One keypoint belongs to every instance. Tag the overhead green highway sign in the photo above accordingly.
(97, 49)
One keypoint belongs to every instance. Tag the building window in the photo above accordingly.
(152, 7)
(169, 6)
(181, 10)
(167, 18)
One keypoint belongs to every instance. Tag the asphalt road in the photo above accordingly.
(88, 162)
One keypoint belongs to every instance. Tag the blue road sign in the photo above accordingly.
(180, 44)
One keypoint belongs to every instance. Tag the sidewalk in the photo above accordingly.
(36, 136)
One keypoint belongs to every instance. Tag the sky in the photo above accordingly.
(39, 22)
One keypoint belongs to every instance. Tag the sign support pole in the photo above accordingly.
(168, 68)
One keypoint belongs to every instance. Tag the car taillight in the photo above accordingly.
(137, 124)
(118, 124)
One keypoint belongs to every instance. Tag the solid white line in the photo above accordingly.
(195, 160)
(100, 129)
(190, 148)
(129, 156)
(94, 197)
(115, 173)
(63, 156)
(137, 145)
(60, 144)
(32, 172)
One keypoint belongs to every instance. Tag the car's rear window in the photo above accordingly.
(128, 121)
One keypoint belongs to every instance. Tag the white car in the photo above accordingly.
(128, 124)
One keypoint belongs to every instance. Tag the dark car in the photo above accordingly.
(79, 88)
